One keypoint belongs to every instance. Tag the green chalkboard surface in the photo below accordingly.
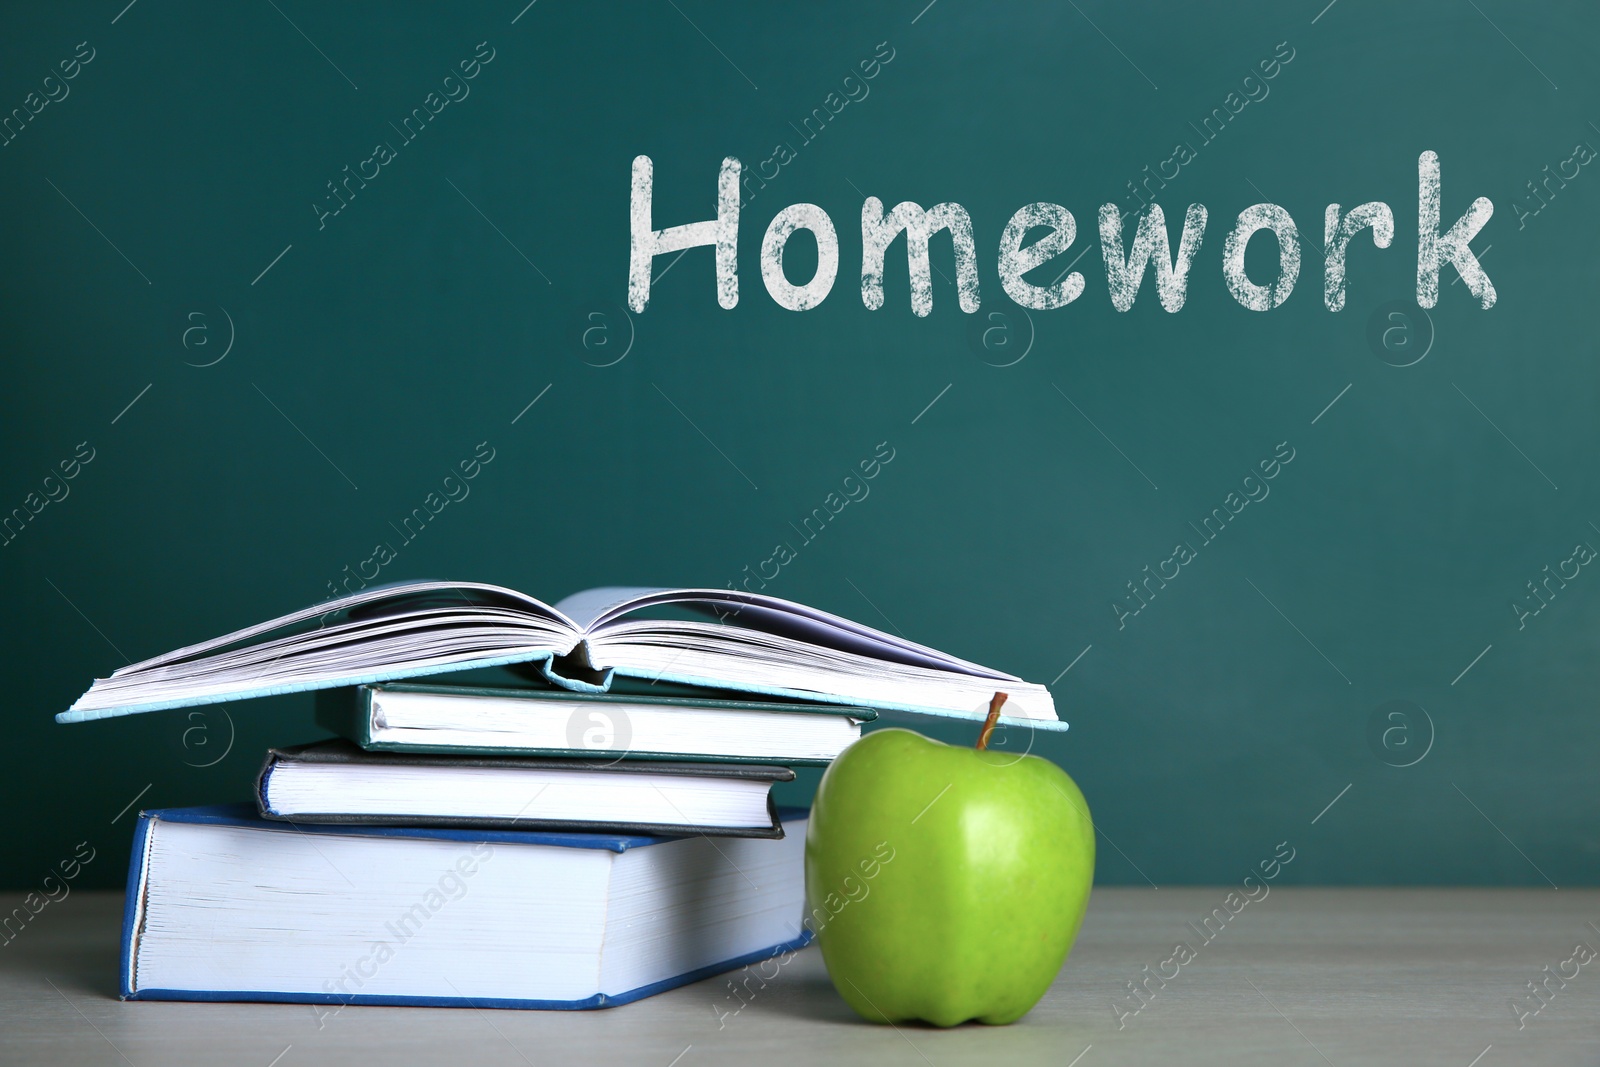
(274, 270)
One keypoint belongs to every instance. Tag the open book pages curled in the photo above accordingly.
(748, 642)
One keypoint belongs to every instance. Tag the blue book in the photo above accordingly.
(222, 906)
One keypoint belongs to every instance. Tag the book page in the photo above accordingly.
(392, 599)
(594, 609)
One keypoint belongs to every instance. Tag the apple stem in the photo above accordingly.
(988, 724)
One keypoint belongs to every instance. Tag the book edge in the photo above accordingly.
(856, 711)
(243, 815)
(598, 1000)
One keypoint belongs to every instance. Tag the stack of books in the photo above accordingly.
(568, 845)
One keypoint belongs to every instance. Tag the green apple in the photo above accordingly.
(945, 883)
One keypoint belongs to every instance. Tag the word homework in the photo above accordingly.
(1052, 230)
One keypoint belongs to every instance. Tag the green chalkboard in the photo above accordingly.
(273, 270)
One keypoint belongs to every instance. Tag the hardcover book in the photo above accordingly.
(222, 905)
(338, 782)
(752, 643)
(401, 717)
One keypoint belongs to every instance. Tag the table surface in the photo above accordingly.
(1303, 976)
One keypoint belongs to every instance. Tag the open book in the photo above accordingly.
(750, 643)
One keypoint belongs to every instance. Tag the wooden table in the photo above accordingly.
(1304, 976)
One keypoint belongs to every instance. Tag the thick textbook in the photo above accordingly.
(457, 719)
(222, 905)
(338, 782)
(753, 643)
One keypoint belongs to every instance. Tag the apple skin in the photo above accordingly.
(945, 884)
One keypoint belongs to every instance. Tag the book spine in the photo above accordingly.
(772, 810)
(133, 903)
(261, 783)
(347, 712)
